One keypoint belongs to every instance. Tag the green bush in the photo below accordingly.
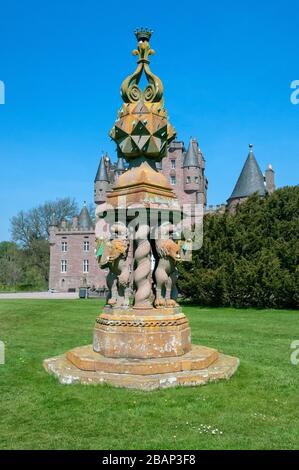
(250, 258)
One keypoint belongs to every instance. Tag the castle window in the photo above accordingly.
(173, 164)
(196, 179)
(86, 245)
(188, 179)
(64, 247)
(85, 265)
(173, 180)
(63, 265)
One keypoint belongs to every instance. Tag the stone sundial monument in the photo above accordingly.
(143, 340)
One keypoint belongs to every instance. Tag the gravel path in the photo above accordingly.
(39, 295)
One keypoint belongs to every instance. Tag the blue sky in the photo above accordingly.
(226, 67)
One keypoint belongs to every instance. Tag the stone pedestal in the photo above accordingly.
(142, 350)
(139, 334)
(197, 367)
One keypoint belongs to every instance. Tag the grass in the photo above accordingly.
(256, 409)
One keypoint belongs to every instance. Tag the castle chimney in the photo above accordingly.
(270, 179)
(75, 222)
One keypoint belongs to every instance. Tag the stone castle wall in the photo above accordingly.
(187, 193)
(75, 255)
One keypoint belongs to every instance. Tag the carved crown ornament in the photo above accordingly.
(142, 128)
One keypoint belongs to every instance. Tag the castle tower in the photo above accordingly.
(191, 168)
(174, 167)
(72, 260)
(101, 182)
(107, 162)
(250, 181)
(270, 179)
(120, 168)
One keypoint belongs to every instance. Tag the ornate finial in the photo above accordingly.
(250, 147)
(142, 128)
(143, 34)
(130, 91)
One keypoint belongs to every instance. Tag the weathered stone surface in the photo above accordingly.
(86, 358)
(142, 185)
(67, 373)
(153, 334)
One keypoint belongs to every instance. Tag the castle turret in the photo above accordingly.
(84, 219)
(52, 229)
(270, 179)
(107, 162)
(101, 182)
(250, 181)
(120, 167)
(191, 168)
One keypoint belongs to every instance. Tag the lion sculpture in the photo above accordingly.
(112, 254)
(168, 252)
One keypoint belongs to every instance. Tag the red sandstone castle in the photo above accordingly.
(72, 245)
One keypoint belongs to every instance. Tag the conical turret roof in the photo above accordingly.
(84, 220)
(191, 157)
(251, 179)
(102, 174)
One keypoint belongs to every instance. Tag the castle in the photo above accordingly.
(184, 169)
(73, 262)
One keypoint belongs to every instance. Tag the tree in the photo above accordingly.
(10, 264)
(34, 224)
(30, 232)
(250, 258)
(37, 255)
(92, 211)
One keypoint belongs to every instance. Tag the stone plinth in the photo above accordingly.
(199, 357)
(198, 367)
(148, 333)
(142, 349)
(142, 185)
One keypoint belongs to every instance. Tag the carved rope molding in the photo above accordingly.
(141, 323)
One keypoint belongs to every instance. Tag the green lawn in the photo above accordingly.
(256, 408)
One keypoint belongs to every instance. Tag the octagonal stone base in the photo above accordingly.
(137, 333)
(197, 367)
